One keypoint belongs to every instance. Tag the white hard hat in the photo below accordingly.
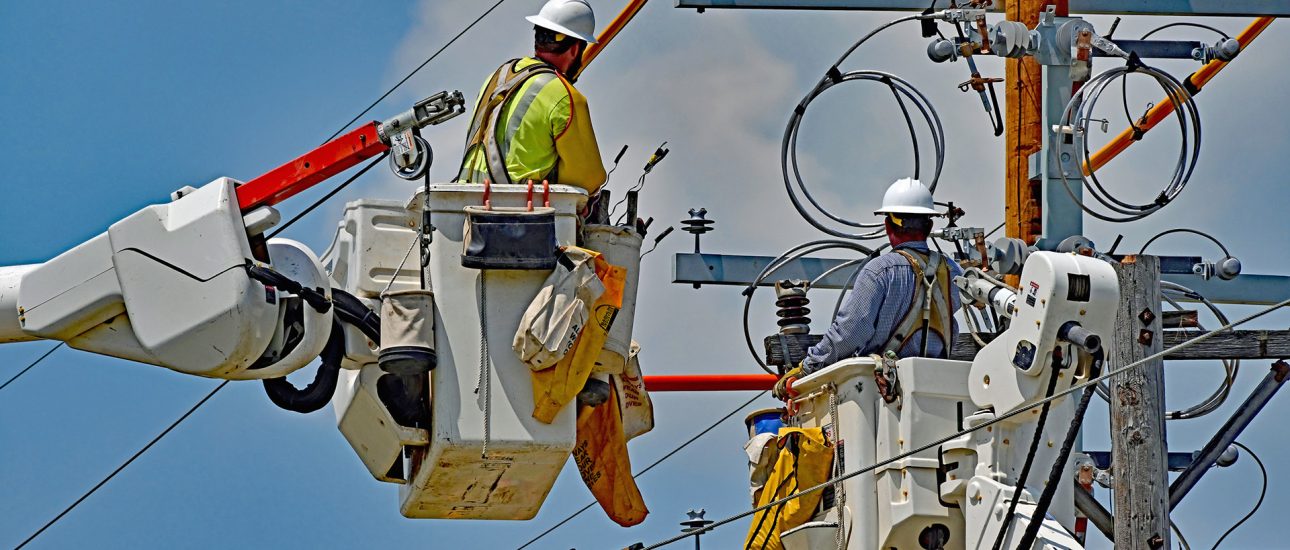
(569, 17)
(907, 196)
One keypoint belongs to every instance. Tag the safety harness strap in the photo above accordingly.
(483, 128)
(929, 309)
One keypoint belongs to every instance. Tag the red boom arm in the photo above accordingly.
(312, 168)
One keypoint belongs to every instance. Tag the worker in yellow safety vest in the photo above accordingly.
(530, 123)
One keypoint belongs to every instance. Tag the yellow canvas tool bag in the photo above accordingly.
(805, 459)
(554, 388)
(602, 461)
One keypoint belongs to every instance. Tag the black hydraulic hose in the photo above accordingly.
(353, 311)
(1055, 476)
(1030, 460)
(315, 297)
(316, 395)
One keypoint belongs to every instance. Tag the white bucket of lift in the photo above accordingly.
(453, 477)
(620, 246)
(407, 332)
(854, 433)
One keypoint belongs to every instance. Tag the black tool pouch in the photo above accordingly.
(509, 238)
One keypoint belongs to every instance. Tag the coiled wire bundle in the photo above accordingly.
(1079, 113)
(903, 92)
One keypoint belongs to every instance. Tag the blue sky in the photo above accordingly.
(109, 107)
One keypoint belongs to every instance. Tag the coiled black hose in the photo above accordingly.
(316, 395)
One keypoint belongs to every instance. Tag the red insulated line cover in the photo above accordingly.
(710, 382)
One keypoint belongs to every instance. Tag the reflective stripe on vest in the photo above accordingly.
(505, 104)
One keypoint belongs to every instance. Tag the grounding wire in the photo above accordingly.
(1184, 230)
(995, 230)
(988, 423)
(669, 454)
(419, 67)
(1263, 492)
(1184, 24)
(1078, 113)
(123, 465)
(31, 365)
(784, 259)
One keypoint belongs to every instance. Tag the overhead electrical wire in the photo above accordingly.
(669, 454)
(123, 465)
(293, 220)
(1076, 117)
(1230, 367)
(1106, 375)
(1184, 24)
(902, 90)
(1263, 492)
(779, 262)
(31, 365)
(328, 196)
(418, 69)
(1143, 250)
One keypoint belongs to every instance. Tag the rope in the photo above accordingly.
(485, 370)
(998, 419)
(839, 490)
(415, 241)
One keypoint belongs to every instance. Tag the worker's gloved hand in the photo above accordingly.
(781, 387)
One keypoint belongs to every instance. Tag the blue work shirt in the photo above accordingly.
(879, 301)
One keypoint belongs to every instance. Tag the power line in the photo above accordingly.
(293, 220)
(29, 367)
(126, 463)
(328, 196)
(279, 230)
(418, 69)
(387, 93)
(648, 468)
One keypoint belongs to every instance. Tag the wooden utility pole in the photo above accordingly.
(1023, 124)
(1138, 448)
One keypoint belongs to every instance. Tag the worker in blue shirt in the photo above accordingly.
(903, 301)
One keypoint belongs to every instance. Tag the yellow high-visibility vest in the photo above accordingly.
(537, 125)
